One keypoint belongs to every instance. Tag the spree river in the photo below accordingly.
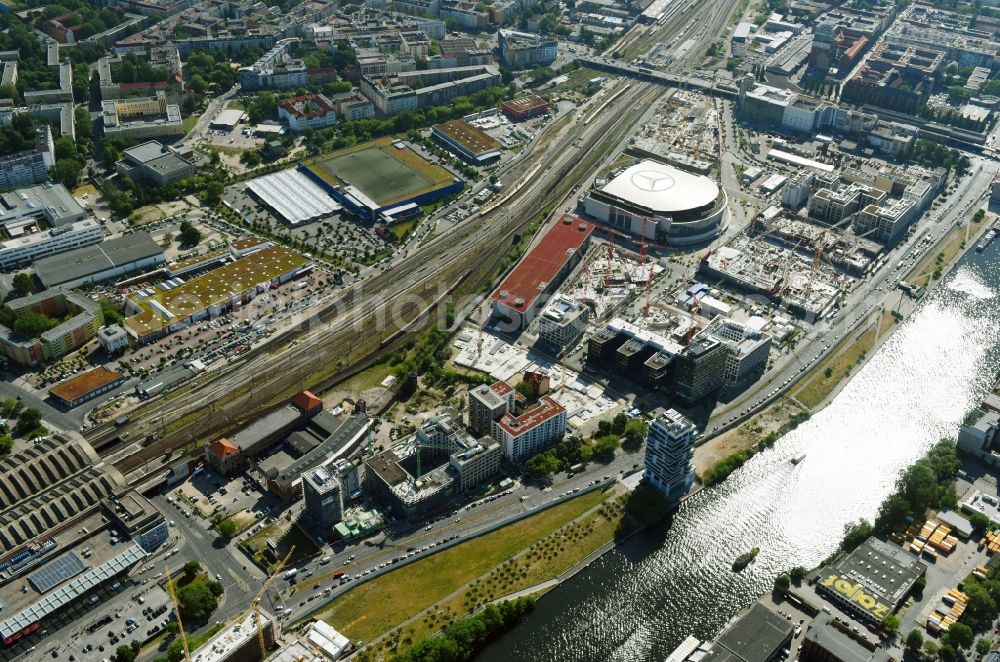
(641, 600)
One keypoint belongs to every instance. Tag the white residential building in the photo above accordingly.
(749, 348)
(533, 431)
(669, 449)
(562, 321)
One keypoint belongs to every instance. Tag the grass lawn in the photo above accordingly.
(578, 81)
(818, 385)
(189, 122)
(547, 559)
(400, 230)
(383, 603)
(943, 254)
(89, 189)
(146, 215)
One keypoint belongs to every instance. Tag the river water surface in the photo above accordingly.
(641, 600)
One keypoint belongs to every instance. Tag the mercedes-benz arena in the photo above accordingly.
(677, 207)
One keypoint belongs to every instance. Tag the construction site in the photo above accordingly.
(684, 131)
(801, 267)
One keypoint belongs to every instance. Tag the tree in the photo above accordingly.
(635, 433)
(23, 283)
(605, 447)
(189, 234)
(891, 623)
(914, 640)
(124, 653)
(66, 172)
(32, 325)
(191, 569)
(213, 192)
(29, 419)
(782, 582)
(227, 528)
(983, 646)
(960, 635)
(978, 520)
(855, 533)
(197, 602)
(798, 573)
(541, 465)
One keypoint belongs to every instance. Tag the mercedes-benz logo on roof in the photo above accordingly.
(651, 180)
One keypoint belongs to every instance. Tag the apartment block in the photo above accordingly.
(669, 449)
(536, 429)
(488, 404)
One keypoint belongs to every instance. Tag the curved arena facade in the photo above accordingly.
(677, 207)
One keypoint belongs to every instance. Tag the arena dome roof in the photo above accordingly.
(661, 188)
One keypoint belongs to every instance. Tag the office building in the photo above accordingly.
(524, 108)
(30, 166)
(103, 261)
(748, 348)
(410, 90)
(476, 465)
(669, 449)
(886, 222)
(521, 50)
(112, 339)
(535, 430)
(563, 321)
(700, 369)
(152, 163)
(142, 117)
(487, 404)
(829, 639)
(323, 499)
(136, 518)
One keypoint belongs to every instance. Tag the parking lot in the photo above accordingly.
(212, 494)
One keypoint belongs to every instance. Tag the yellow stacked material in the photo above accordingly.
(948, 621)
(981, 575)
(929, 551)
(994, 542)
(927, 529)
(957, 609)
(951, 540)
(916, 546)
(958, 595)
(983, 569)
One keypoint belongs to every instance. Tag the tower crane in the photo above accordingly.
(255, 603)
(177, 611)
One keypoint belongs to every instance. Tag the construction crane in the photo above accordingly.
(255, 605)
(177, 611)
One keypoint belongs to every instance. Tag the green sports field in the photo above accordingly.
(381, 171)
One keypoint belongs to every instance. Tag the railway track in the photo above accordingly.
(468, 256)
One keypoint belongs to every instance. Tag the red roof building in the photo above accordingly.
(524, 108)
(308, 402)
(522, 293)
(533, 431)
(224, 456)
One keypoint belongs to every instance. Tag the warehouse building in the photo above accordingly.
(94, 264)
(77, 390)
(472, 144)
(524, 108)
(293, 196)
(522, 293)
(872, 581)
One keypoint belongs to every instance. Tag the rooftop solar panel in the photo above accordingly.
(56, 572)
